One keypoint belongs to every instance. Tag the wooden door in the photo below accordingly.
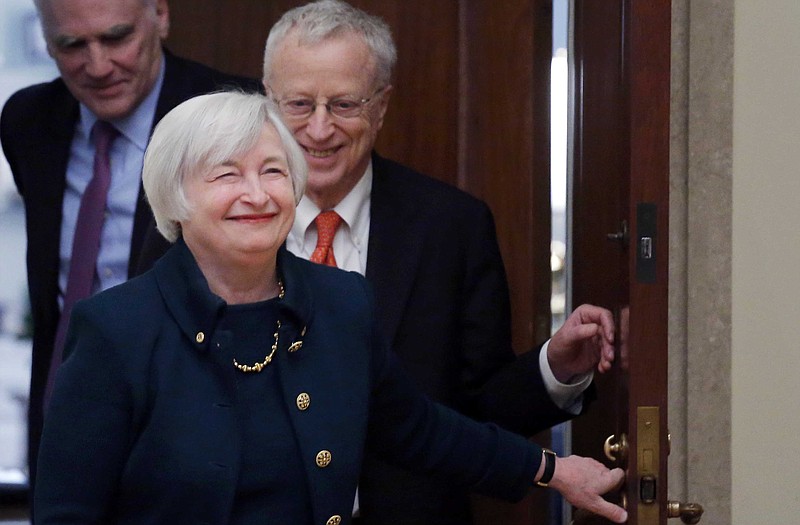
(470, 107)
(620, 225)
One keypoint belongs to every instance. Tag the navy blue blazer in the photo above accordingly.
(36, 130)
(141, 427)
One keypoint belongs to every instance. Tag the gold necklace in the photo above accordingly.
(258, 367)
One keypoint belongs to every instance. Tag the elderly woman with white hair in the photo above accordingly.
(235, 383)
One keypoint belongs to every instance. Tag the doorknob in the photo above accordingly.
(688, 512)
(616, 450)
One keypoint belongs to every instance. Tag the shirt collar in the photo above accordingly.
(348, 209)
(135, 127)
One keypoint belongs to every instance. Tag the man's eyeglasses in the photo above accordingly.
(342, 107)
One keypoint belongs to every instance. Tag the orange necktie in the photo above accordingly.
(327, 222)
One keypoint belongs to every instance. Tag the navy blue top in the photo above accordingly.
(271, 477)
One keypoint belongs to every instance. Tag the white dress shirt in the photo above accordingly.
(352, 238)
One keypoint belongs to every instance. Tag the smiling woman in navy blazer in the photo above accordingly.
(235, 383)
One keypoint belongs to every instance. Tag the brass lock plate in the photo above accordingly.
(648, 432)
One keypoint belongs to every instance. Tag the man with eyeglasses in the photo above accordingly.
(429, 250)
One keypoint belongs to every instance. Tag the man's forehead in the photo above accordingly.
(344, 60)
(85, 18)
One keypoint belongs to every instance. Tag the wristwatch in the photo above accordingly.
(549, 458)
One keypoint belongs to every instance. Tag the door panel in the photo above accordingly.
(622, 177)
(648, 58)
(600, 193)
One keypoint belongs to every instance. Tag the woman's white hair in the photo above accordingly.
(202, 132)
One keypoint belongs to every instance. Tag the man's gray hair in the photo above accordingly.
(325, 19)
(202, 132)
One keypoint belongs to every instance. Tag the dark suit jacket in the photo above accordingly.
(36, 131)
(442, 302)
(142, 427)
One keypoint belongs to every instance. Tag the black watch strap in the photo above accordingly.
(549, 458)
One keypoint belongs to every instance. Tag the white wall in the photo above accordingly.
(766, 263)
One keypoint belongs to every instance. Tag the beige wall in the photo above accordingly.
(700, 256)
(766, 263)
(735, 260)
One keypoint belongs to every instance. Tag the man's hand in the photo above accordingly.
(583, 481)
(585, 341)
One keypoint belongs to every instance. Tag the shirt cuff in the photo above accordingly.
(566, 396)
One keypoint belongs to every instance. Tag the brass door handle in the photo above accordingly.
(616, 451)
(688, 512)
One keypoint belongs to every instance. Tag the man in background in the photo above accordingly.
(75, 147)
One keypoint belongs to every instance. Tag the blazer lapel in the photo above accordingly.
(395, 247)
